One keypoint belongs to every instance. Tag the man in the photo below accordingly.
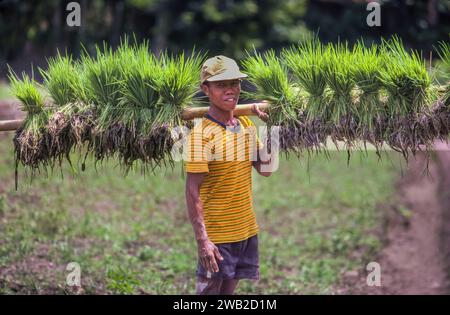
(219, 191)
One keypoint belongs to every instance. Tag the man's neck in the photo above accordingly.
(225, 117)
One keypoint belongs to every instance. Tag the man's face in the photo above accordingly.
(223, 94)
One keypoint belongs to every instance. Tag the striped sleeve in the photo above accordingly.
(196, 161)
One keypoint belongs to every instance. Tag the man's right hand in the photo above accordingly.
(209, 255)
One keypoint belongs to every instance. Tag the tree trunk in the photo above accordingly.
(162, 30)
(433, 17)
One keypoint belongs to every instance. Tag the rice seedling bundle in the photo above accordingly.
(444, 53)
(370, 111)
(270, 77)
(406, 81)
(122, 100)
(63, 83)
(120, 103)
(135, 110)
(307, 64)
(31, 144)
(377, 94)
(102, 81)
(177, 88)
(339, 77)
(439, 120)
(124, 103)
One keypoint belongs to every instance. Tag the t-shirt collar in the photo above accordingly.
(236, 128)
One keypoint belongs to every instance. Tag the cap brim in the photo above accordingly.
(227, 75)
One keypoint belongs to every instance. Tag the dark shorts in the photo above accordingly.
(240, 261)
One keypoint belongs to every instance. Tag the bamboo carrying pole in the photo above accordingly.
(188, 114)
(8, 125)
(241, 110)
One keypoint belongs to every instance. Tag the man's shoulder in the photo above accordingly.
(201, 123)
(246, 121)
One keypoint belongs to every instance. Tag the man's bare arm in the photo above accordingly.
(208, 253)
(257, 165)
(194, 204)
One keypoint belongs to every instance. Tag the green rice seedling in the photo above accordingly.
(438, 121)
(117, 120)
(102, 77)
(339, 77)
(30, 142)
(306, 62)
(341, 113)
(367, 64)
(138, 100)
(270, 78)
(139, 95)
(62, 81)
(177, 87)
(444, 54)
(84, 119)
(406, 81)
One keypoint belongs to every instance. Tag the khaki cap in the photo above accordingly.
(220, 68)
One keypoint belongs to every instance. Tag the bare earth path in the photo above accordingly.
(415, 258)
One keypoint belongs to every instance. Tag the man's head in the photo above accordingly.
(221, 81)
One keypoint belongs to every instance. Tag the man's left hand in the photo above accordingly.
(262, 115)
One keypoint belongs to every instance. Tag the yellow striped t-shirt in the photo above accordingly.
(226, 192)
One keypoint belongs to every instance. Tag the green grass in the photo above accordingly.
(132, 235)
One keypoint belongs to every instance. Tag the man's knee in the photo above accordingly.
(228, 286)
(208, 286)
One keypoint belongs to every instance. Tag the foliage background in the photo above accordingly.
(32, 30)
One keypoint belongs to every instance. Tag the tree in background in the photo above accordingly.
(32, 30)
